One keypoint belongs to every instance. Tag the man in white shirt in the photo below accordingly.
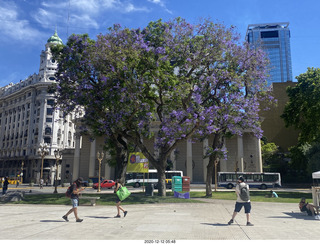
(242, 201)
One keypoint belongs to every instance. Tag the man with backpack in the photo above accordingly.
(243, 200)
(74, 191)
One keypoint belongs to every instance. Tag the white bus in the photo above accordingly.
(139, 179)
(253, 179)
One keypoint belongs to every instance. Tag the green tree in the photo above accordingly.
(268, 150)
(172, 81)
(302, 111)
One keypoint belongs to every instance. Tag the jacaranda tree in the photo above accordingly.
(171, 80)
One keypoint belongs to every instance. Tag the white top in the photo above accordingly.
(242, 184)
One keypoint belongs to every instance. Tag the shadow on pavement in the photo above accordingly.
(98, 217)
(217, 224)
(52, 221)
(294, 215)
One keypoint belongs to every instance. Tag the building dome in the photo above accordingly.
(55, 39)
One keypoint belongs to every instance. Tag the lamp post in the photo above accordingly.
(21, 174)
(216, 174)
(42, 151)
(58, 155)
(100, 157)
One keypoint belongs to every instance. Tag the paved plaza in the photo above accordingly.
(178, 221)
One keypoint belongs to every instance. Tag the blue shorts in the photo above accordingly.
(75, 202)
(239, 205)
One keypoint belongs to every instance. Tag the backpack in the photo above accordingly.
(69, 191)
(244, 193)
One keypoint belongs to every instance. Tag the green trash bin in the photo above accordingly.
(149, 190)
(176, 183)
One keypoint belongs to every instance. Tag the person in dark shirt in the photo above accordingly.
(5, 186)
(76, 189)
(307, 207)
(117, 186)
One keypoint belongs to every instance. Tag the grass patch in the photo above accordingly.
(259, 196)
(105, 199)
(140, 198)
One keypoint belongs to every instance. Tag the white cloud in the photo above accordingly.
(14, 28)
(131, 8)
(81, 13)
(161, 4)
(84, 21)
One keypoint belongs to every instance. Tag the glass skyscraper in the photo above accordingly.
(274, 38)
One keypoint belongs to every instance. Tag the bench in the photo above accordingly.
(92, 199)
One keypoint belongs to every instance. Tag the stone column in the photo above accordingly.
(189, 159)
(107, 169)
(259, 155)
(205, 161)
(240, 153)
(76, 159)
(173, 160)
(92, 160)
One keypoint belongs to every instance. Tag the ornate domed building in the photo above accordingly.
(28, 120)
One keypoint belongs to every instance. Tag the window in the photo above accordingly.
(50, 102)
(47, 131)
(269, 34)
(47, 140)
(49, 111)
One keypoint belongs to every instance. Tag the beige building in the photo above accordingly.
(273, 125)
(244, 155)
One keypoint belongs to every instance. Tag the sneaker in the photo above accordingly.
(230, 222)
(65, 218)
(249, 224)
(79, 220)
(117, 216)
(125, 213)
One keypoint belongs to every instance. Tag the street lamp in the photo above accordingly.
(58, 155)
(100, 157)
(21, 174)
(216, 174)
(42, 151)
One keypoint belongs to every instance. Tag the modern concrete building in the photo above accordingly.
(274, 39)
(28, 119)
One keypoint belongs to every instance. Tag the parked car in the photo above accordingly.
(85, 183)
(104, 184)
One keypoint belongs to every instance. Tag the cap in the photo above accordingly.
(80, 179)
(241, 179)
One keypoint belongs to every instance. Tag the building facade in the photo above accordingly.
(273, 125)
(244, 155)
(274, 39)
(28, 119)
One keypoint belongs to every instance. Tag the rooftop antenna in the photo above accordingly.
(68, 20)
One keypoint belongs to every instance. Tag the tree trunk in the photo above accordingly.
(162, 183)
(209, 178)
(122, 153)
(120, 170)
(216, 144)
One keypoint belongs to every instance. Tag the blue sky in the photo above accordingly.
(26, 25)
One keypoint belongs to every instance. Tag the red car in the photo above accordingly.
(104, 184)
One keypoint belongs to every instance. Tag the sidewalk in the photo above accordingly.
(186, 221)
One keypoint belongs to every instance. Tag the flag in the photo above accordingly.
(138, 163)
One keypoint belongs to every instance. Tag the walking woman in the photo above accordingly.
(76, 189)
(117, 186)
